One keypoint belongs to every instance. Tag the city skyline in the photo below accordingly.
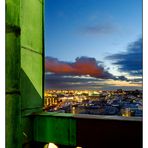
(93, 44)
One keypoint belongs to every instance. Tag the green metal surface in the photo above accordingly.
(13, 100)
(55, 127)
(13, 121)
(32, 25)
(31, 56)
(13, 12)
(24, 60)
(12, 45)
(31, 64)
(31, 79)
(27, 129)
(12, 62)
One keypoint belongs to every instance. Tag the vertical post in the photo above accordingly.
(13, 100)
(24, 69)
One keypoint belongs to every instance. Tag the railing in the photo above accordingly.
(88, 131)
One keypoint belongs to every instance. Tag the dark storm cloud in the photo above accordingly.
(57, 81)
(131, 60)
(81, 66)
(121, 78)
(67, 78)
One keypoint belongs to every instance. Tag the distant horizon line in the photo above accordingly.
(95, 89)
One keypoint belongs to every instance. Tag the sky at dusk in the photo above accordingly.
(93, 44)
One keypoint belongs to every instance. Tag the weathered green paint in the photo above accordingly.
(13, 12)
(12, 45)
(24, 60)
(13, 121)
(13, 102)
(27, 129)
(12, 62)
(56, 128)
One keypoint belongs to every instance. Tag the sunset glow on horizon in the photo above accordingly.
(92, 44)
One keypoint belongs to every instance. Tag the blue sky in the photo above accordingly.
(95, 29)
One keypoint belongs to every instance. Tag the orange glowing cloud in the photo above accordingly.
(81, 66)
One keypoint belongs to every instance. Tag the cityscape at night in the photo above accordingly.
(93, 57)
(119, 102)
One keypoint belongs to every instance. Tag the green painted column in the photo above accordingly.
(24, 69)
(13, 107)
(31, 76)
